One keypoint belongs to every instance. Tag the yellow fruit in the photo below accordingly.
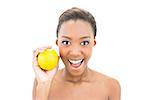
(48, 59)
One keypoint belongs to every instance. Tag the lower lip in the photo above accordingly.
(76, 66)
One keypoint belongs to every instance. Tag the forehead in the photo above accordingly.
(76, 28)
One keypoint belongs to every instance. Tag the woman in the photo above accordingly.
(76, 34)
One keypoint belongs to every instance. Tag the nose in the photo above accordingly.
(75, 51)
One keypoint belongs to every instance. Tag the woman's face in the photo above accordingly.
(75, 42)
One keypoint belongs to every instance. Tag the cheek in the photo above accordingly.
(88, 52)
(62, 52)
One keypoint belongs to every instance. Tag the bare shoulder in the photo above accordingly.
(112, 86)
(110, 82)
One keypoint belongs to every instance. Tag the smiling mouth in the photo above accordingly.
(75, 63)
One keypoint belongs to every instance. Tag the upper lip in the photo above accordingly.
(75, 61)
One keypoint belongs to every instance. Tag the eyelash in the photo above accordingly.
(66, 42)
(83, 43)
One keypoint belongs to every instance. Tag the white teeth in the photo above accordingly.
(75, 61)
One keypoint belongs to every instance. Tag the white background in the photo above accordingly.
(122, 50)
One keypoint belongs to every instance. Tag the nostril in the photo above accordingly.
(75, 51)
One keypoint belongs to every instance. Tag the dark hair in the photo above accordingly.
(75, 14)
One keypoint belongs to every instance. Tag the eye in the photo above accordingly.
(84, 43)
(66, 42)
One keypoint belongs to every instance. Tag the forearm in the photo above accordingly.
(41, 91)
(34, 90)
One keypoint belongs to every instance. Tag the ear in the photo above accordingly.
(57, 42)
(94, 42)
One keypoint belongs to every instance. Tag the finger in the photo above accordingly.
(39, 50)
(36, 52)
(35, 63)
(52, 72)
(44, 47)
(38, 71)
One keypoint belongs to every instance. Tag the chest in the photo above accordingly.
(81, 92)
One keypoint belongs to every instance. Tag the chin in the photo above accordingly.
(76, 73)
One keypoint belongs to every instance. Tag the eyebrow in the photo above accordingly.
(84, 37)
(66, 37)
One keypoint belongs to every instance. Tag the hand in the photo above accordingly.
(42, 75)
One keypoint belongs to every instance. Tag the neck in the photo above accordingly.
(84, 77)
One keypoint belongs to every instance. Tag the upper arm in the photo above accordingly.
(115, 90)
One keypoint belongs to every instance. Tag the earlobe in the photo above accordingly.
(94, 42)
(57, 42)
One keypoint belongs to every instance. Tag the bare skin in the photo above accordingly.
(76, 81)
(92, 86)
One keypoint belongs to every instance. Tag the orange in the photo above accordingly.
(48, 59)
